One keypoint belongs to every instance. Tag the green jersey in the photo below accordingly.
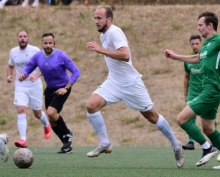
(209, 60)
(195, 80)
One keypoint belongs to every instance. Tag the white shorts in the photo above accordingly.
(135, 96)
(33, 96)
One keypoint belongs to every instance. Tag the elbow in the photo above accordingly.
(78, 73)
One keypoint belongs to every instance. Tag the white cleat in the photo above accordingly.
(1, 5)
(35, 4)
(218, 158)
(5, 137)
(216, 167)
(179, 156)
(100, 149)
(207, 156)
(4, 151)
(24, 4)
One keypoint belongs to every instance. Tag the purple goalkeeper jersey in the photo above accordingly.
(53, 68)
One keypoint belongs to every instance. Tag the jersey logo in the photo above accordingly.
(46, 63)
(203, 55)
(208, 44)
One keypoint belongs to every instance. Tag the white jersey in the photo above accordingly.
(120, 72)
(19, 58)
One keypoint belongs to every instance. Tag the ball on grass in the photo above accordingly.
(23, 158)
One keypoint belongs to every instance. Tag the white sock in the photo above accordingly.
(44, 119)
(3, 1)
(22, 126)
(98, 124)
(165, 128)
(35, 2)
(206, 145)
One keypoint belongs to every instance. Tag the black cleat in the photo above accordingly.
(207, 155)
(189, 146)
(66, 150)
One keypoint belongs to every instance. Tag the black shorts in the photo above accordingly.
(54, 100)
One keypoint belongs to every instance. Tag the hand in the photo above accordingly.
(32, 78)
(94, 47)
(170, 54)
(22, 77)
(61, 91)
(9, 79)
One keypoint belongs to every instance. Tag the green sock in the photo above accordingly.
(215, 139)
(193, 131)
(193, 120)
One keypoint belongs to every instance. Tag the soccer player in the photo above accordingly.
(192, 81)
(123, 83)
(4, 151)
(207, 102)
(28, 92)
(53, 64)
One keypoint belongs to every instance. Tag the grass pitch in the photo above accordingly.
(122, 162)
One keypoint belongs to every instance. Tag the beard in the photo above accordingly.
(103, 29)
(23, 44)
(48, 51)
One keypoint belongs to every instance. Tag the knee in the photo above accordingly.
(179, 120)
(38, 114)
(51, 114)
(91, 108)
(21, 110)
(151, 115)
(207, 130)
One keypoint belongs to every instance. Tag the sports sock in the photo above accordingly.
(60, 122)
(3, 1)
(44, 119)
(22, 126)
(165, 128)
(193, 130)
(193, 120)
(206, 145)
(215, 139)
(98, 124)
(57, 130)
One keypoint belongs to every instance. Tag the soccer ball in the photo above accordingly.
(5, 137)
(23, 158)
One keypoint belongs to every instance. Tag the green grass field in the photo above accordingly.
(122, 162)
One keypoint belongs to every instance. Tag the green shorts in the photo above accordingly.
(206, 103)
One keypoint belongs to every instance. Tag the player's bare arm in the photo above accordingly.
(121, 54)
(10, 73)
(184, 58)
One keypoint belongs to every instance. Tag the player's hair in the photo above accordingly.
(210, 17)
(21, 31)
(108, 10)
(195, 36)
(47, 34)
